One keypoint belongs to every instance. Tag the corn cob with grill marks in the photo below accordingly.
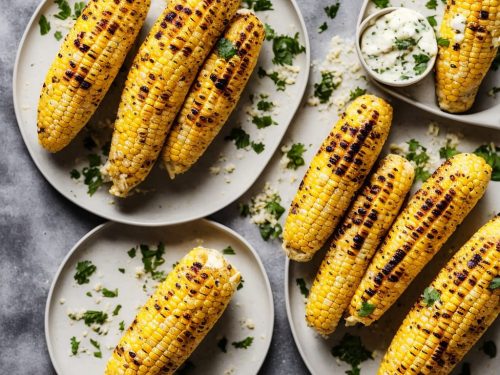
(418, 233)
(355, 242)
(85, 66)
(462, 65)
(433, 339)
(176, 318)
(335, 174)
(157, 83)
(214, 95)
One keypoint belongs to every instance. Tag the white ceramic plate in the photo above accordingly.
(193, 195)
(106, 246)
(486, 109)
(316, 351)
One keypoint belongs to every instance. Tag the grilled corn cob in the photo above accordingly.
(214, 94)
(177, 316)
(436, 335)
(85, 66)
(355, 242)
(472, 29)
(418, 233)
(157, 83)
(335, 174)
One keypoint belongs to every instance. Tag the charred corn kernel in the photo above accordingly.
(177, 317)
(418, 233)
(335, 174)
(435, 336)
(214, 95)
(85, 66)
(157, 83)
(355, 242)
(472, 29)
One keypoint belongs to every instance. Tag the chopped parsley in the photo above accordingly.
(122, 270)
(74, 345)
(244, 209)
(489, 348)
(351, 351)
(226, 49)
(294, 156)
(78, 9)
(109, 293)
(96, 345)
(366, 309)
(443, 42)
(267, 231)
(270, 33)
(263, 121)
(431, 4)
(381, 3)
(58, 35)
(275, 77)
(447, 151)
(228, 251)
(64, 10)
(152, 258)
(117, 309)
(243, 344)
(432, 21)
(258, 147)
(421, 62)
(92, 174)
(406, 43)
(131, 253)
(240, 285)
(495, 283)
(222, 344)
(430, 296)
(121, 326)
(91, 317)
(88, 294)
(44, 25)
(322, 27)
(357, 92)
(74, 174)
(84, 270)
(264, 105)
(491, 154)
(259, 5)
(240, 137)
(323, 90)
(418, 155)
(331, 10)
(285, 48)
(302, 286)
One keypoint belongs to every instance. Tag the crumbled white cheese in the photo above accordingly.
(247, 323)
(433, 129)
(227, 180)
(229, 371)
(98, 287)
(458, 24)
(258, 211)
(214, 170)
(229, 168)
(139, 272)
(287, 73)
(85, 333)
(62, 301)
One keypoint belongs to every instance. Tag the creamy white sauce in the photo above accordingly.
(399, 45)
(458, 23)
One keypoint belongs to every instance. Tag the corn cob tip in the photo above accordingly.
(296, 255)
(171, 170)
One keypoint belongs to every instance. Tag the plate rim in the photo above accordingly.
(468, 118)
(144, 222)
(108, 224)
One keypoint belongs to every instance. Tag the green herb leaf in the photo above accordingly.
(275, 209)
(228, 251)
(302, 286)
(443, 42)
(74, 174)
(263, 121)
(351, 351)
(226, 49)
(381, 3)
(109, 293)
(418, 155)
(285, 48)
(406, 43)
(294, 156)
(495, 283)
(88, 294)
(44, 25)
(431, 4)
(240, 137)
(122, 270)
(447, 151)
(74, 345)
(96, 345)
(323, 90)
(243, 344)
(421, 62)
(244, 209)
(131, 253)
(117, 309)
(258, 147)
(366, 309)
(92, 174)
(268, 231)
(152, 259)
(78, 9)
(491, 154)
(222, 344)
(259, 5)
(84, 270)
(270, 33)
(240, 285)
(121, 326)
(264, 105)
(331, 10)
(489, 348)
(432, 21)
(430, 296)
(274, 76)
(322, 27)
(64, 9)
(94, 317)
(58, 35)
(357, 92)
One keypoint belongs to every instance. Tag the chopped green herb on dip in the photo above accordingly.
(399, 45)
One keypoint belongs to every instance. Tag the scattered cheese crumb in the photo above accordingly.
(229, 168)
(247, 323)
(214, 170)
(139, 272)
(62, 301)
(98, 287)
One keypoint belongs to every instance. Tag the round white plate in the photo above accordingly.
(106, 246)
(192, 195)
(316, 351)
(486, 109)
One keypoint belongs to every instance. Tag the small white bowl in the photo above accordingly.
(369, 21)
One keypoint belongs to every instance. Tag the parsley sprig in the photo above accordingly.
(84, 270)
(351, 351)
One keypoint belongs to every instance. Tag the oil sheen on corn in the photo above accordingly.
(398, 45)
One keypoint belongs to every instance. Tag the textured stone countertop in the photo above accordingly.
(38, 226)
